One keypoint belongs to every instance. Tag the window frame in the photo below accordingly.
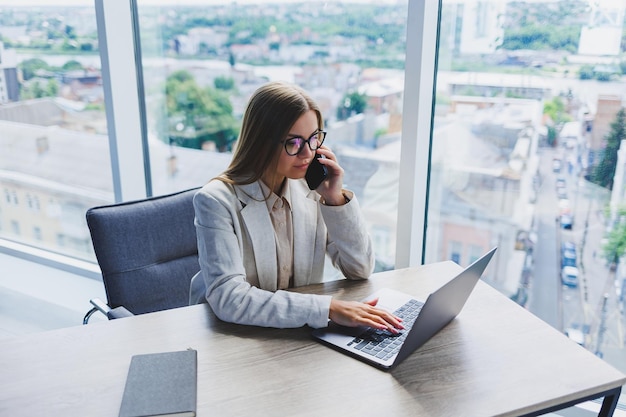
(420, 71)
(124, 98)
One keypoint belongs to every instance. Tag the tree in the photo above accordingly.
(586, 72)
(52, 88)
(615, 246)
(352, 103)
(604, 172)
(224, 83)
(555, 108)
(72, 65)
(35, 89)
(198, 115)
(30, 66)
(552, 133)
(556, 111)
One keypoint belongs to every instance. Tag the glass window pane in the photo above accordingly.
(201, 64)
(54, 162)
(529, 118)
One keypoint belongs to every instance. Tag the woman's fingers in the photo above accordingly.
(352, 313)
(384, 320)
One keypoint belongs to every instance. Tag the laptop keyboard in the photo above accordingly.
(383, 344)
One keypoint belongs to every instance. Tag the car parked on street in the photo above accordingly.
(568, 254)
(565, 206)
(569, 276)
(566, 221)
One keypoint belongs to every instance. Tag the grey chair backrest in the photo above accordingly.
(147, 251)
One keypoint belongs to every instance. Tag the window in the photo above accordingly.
(475, 252)
(37, 233)
(201, 64)
(15, 228)
(33, 202)
(520, 132)
(456, 249)
(54, 130)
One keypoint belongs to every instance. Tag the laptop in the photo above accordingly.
(422, 320)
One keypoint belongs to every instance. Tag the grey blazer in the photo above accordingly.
(238, 261)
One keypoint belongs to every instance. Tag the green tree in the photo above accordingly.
(197, 114)
(586, 72)
(70, 32)
(72, 65)
(556, 111)
(551, 138)
(604, 172)
(554, 108)
(615, 246)
(180, 76)
(224, 83)
(52, 88)
(352, 103)
(86, 47)
(68, 45)
(544, 25)
(30, 66)
(37, 90)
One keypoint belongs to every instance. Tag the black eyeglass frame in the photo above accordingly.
(308, 141)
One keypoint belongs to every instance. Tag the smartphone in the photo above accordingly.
(316, 173)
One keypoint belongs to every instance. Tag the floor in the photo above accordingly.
(36, 298)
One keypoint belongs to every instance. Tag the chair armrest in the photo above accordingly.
(111, 313)
(118, 313)
(100, 305)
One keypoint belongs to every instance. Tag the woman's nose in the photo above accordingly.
(306, 152)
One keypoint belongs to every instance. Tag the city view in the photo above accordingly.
(528, 118)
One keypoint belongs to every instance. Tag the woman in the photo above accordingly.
(261, 230)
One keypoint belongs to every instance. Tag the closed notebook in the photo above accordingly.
(161, 384)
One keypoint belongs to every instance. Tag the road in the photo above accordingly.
(544, 298)
(592, 306)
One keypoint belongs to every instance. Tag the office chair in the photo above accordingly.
(147, 251)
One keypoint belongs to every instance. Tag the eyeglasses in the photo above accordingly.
(294, 146)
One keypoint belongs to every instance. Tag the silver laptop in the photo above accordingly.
(422, 320)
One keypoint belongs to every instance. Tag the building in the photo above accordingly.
(499, 85)
(9, 82)
(475, 26)
(606, 109)
(602, 36)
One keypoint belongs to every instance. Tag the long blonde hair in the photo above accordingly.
(271, 112)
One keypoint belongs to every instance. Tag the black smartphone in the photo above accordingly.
(316, 173)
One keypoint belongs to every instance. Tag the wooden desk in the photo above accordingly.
(494, 359)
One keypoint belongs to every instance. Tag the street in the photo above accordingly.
(591, 309)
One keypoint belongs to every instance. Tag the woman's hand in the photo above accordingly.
(354, 313)
(331, 187)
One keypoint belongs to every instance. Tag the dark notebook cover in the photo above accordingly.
(161, 384)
